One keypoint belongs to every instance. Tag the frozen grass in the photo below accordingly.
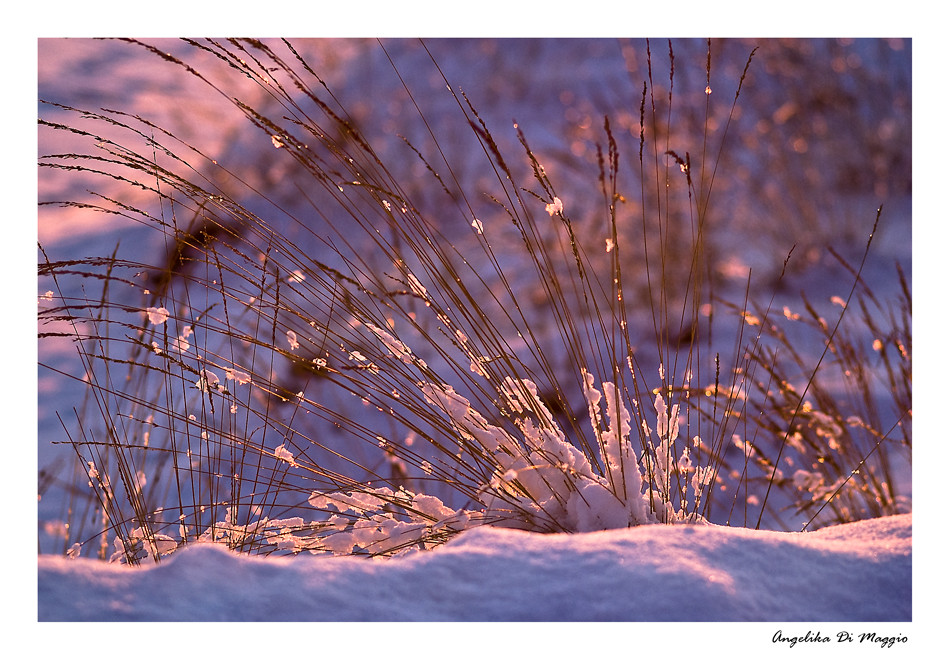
(428, 335)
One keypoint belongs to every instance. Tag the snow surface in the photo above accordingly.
(849, 573)
(857, 572)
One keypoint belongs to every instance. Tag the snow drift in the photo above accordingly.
(855, 572)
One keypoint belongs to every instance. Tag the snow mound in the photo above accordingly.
(855, 572)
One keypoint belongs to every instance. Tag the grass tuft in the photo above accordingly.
(379, 342)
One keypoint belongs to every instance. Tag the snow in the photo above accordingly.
(859, 572)
(853, 573)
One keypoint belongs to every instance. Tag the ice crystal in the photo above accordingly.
(417, 286)
(395, 346)
(292, 340)
(239, 377)
(157, 315)
(181, 344)
(284, 454)
(208, 381)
